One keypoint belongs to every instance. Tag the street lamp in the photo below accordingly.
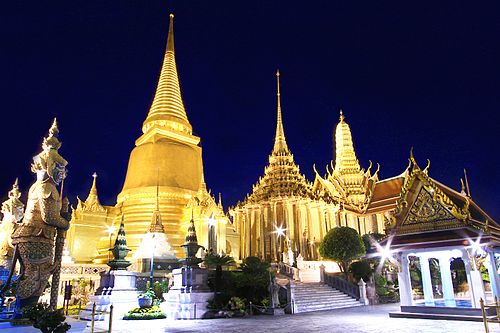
(212, 245)
(110, 230)
(152, 261)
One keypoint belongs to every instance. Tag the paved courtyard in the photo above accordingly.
(353, 320)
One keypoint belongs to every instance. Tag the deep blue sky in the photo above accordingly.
(425, 74)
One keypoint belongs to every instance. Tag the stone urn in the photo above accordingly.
(145, 302)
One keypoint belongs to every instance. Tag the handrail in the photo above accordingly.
(290, 271)
(342, 285)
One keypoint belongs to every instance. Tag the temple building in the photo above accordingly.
(164, 177)
(282, 199)
(287, 212)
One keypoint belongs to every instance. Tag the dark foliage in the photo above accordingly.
(46, 319)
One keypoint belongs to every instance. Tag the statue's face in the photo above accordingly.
(59, 173)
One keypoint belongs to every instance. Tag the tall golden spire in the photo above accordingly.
(280, 145)
(92, 202)
(345, 156)
(167, 109)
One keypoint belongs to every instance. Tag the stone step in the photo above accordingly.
(315, 288)
(318, 297)
(336, 304)
(312, 302)
(319, 292)
(325, 308)
(322, 298)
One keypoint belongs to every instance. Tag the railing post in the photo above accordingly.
(322, 273)
(93, 319)
(110, 317)
(485, 319)
(497, 309)
(292, 297)
(362, 292)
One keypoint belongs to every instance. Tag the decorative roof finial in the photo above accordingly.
(467, 182)
(120, 250)
(93, 189)
(341, 115)
(15, 193)
(280, 145)
(170, 39)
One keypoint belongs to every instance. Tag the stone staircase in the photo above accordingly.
(310, 297)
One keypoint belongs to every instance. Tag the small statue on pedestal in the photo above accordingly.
(13, 212)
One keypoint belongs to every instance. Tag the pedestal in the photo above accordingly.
(118, 288)
(477, 287)
(188, 297)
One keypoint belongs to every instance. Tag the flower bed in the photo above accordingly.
(153, 312)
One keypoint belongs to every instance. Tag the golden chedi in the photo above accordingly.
(168, 155)
(164, 179)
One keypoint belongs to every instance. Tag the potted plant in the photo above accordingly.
(146, 299)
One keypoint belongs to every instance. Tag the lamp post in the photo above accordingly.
(110, 230)
(152, 262)
(211, 234)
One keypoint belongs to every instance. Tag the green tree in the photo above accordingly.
(253, 281)
(217, 261)
(342, 244)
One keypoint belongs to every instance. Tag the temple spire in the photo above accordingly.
(93, 189)
(167, 110)
(156, 221)
(345, 156)
(280, 145)
(92, 201)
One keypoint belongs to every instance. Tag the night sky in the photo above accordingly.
(425, 75)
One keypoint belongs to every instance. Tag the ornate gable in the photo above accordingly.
(427, 210)
(423, 206)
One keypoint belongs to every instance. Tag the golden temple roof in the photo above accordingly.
(346, 182)
(92, 203)
(345, 156)
(282, 176)
(167, 109)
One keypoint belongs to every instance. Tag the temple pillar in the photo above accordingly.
(446, 281)
(404, 281)
(475, 281)
(426, 280)
(493, 274)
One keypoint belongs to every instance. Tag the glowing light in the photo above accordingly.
(280, 230)
(110, 230)
(476, 246)
(212, 222)
(385, 253)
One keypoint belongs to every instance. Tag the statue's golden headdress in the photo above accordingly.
(49, 156)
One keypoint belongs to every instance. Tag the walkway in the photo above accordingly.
(353, 320)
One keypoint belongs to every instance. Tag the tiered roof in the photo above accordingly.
(282, 176)
(346, 183)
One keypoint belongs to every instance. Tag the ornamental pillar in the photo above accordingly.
(404, 281)
(493, 274)
(446, 281)
(426, 280)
